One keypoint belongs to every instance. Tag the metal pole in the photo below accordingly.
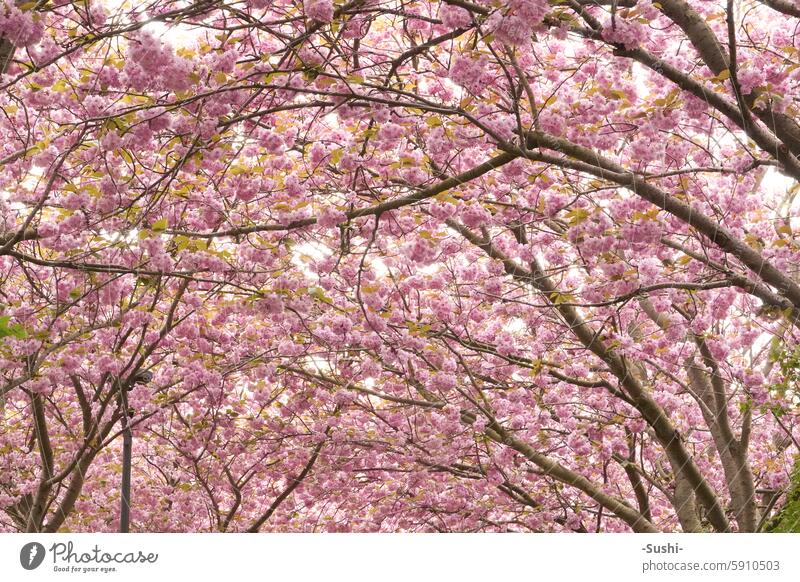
(140, 377)
(127, 449)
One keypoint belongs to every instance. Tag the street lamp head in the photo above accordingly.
(142, 377)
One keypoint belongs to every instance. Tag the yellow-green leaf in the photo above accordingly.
(160, 225)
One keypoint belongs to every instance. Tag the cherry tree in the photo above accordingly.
(399, 265)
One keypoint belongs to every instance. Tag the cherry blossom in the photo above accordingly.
(399, 266)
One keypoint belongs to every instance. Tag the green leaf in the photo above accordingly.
(319, 294)
(13, 330)
(787, 520)
(577, 215)
(125, 155)
(723, 75)
(160, 225)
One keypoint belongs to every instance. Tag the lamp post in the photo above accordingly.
(141, 377)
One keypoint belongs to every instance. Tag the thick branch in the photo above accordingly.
(293, 484)
(638, 522)
(785, 6)
(595, 164)
(667, 435)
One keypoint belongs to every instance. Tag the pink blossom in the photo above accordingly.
(454, 16)
(330, 217)
(21, 28)
(390, 132)
(321, 10)
(467, 72)
(420, 250)
(474, 215)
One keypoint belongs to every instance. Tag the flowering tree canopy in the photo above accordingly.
(402, 265)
